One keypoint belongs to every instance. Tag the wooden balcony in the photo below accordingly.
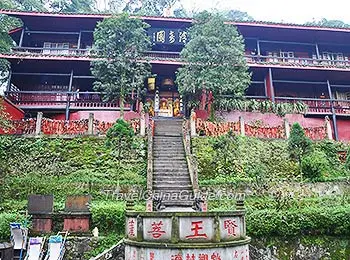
(60, 100)
(52, 51)
(317, 106)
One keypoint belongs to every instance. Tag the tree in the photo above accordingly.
(236, 15)
(73, 6)
(328, 23)
(119, 137)
(298, 144)
(121, 42)
(214, 61)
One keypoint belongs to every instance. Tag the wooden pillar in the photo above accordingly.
(317, 51)
(286, 128)
(270, 91)
(69, 95)
(91, 124)
(334, 117)
(328, 128)
(21, 39)
(39, 118)
(8, 87)
(79, 40)
(242, 125)
(193, 123)
(258, 47)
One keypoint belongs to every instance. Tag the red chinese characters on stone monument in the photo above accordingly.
(156, 229)
(215, 256)
(230, 226)
(197, 226)
(203, 257)
(131, 228)
(190, 257)
(151, 255)
(176, 257)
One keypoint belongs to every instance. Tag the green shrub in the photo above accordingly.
(5, 220)
(298, 144)
(320, 220)
(108, 216)
(315, 165)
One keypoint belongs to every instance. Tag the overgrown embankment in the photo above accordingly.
(67, 167)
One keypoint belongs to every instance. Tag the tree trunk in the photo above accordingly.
(121, 104)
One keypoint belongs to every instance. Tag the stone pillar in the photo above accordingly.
(91, 124)
(39, 119)
(328, 128)
(242, 125)
(286, 127)
(193, 123)
(142, 120)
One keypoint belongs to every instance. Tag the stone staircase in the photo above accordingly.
(171, 177)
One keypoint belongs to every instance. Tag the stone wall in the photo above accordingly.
(310, 248)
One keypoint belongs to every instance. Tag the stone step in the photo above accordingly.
(170, 171)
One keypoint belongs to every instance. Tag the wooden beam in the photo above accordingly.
(334, 116)
(8, 87)
(68, 95)
(79, 40)
(21, 39)
(317, 51)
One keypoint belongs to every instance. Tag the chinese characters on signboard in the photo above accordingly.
(235, 253)
(168, 36)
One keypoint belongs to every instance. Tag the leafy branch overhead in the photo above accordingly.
(214, 59)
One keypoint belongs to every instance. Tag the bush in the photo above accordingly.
(5, 220)
(108, 216)
(318, 220)
(315, 165)
(298, 144)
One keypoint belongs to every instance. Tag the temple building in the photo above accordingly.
(50, 67)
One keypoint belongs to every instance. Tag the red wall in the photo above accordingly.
(14, 112)
(106, 116)
(272, 119)
(343, 129)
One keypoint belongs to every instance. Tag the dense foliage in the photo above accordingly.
(214, 60)
(229, 158)
(265, 106)
(120, 137)
(64, 167)
(121, 41)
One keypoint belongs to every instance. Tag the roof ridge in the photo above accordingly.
(178, 19)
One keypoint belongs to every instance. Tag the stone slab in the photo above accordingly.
(40, 204)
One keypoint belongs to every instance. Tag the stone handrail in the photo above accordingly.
(191, 162)
(150, 131)
(116, 252)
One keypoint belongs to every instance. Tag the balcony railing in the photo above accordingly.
(59, 100)
(52, 51)
(320, 106)
(301, 61)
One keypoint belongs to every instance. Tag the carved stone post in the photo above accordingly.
(142, 120)
(328, 128)
(242, 125)
(91, 124)
(193, 123)
(286, 127)
(39, 119)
